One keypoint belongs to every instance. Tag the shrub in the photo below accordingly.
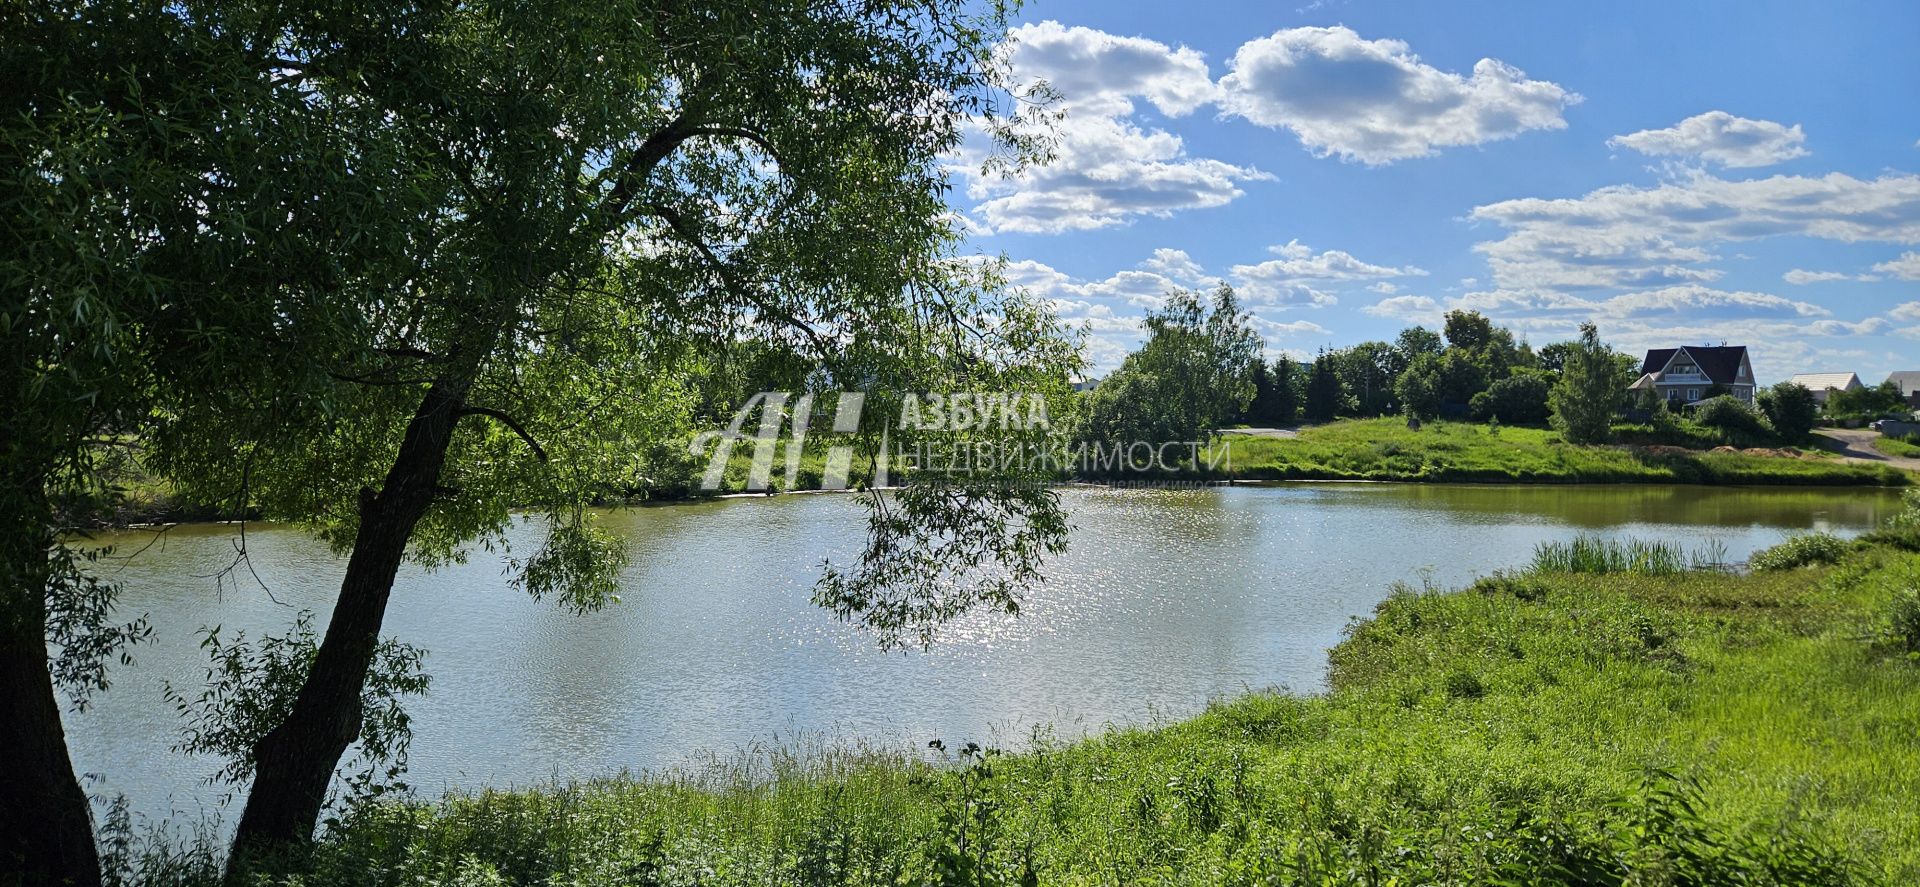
(1800, 551)
(1463, 684)
(1903, 619)
(1733, 418)
(1791, 408)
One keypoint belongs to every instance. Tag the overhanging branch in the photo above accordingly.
(539, 451)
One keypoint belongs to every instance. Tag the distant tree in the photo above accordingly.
(1367, 373)
(1415, 341)
(1325, 399)
(1195, 372)
(1553, 357)
(1418, 389)
(1791, 408)
(1878, 400)
(1591, 390)
(1469, 330)
(1286, 391)
(1519, 399)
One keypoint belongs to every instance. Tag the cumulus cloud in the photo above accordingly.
(1628, 236)
(1720, 138)
(1907, 267)
(1108, 169)
(1678, 299)
(1905, 311)
(1375, 101)
(1100, 73)
(1298, 276)
(1410, 308)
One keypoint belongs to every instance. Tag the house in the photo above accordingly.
(1823, 384)
(1686, 374)
(1909, 382)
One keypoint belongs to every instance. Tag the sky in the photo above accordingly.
(1677, 173)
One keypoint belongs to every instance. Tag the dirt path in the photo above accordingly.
(1856, 444)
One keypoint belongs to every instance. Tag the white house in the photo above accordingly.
(1823, 384)
(1684, 375)
(1909, 382)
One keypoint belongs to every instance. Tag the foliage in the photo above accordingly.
(250, 685)
(1800, 551)
(1736, 421)
(1195, 372)
(1325, 399)
(1519, 399)
(1884, 399)
(1790, 409)
(1277, 393)
(1592, 388)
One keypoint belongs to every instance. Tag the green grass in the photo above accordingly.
(1908, 448)
(1597, 554)
(1543, 727)
(1385, 449)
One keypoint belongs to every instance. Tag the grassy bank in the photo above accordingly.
(1385, 449)
(1656, 726)
(1908, 447)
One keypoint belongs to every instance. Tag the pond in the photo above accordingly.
(1166, 599)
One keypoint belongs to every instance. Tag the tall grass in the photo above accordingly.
(1599, 554)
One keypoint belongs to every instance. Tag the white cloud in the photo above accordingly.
(1627, 236)
(1676, 299)
(1384, 288)
(1801, 277)
(1907, 267)
(1721, 138)
(1377, 102)
(1107, 169)
(1906, 311)
(1100, 73)
(1297, 276)
(1410, 308)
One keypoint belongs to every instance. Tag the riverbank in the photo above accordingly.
(1692, 727)
(1349, 449)
(1444, 452)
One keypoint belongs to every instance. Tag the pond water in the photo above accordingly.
(1165, 600)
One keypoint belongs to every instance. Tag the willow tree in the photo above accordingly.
(149, 242)
(591, 198)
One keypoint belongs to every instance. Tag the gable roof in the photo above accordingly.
(1908, 380)
(1720, 363)
(1823, 381)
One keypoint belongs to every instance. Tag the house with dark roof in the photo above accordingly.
(1686, 374)
(1909, 382)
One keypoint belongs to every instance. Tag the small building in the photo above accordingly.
(1685, 375)
(1823, 384)
(1909, 382)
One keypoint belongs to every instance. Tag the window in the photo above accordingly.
(1693, 394)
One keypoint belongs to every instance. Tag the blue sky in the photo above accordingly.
(1677, 172)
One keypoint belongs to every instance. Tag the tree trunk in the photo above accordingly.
(295, 761)
(46, 829)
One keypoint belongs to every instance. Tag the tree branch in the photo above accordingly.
(539, 451)
(680, 227)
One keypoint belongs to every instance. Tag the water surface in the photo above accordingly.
(1166, 599)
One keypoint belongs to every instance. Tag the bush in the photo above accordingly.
(1519, 399)
(1791, 408)
(1903, 619)
(1801, 551)
(1736, 421)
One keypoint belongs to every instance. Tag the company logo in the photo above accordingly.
(951, 434)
